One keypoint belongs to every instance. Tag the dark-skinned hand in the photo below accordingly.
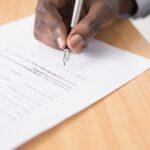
(53, 19)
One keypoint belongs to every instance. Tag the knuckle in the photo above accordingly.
(90, 25)
(93, 22)
(89, 29)
(40, 9)
(55, 3)
(54, 25)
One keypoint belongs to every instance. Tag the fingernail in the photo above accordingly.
(60, 43)
(77, 41)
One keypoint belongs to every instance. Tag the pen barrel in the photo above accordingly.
(76, 12)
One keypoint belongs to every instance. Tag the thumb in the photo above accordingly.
(85, 30)
(88, 27)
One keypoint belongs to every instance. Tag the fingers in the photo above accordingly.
(97, 17)
(49, 27)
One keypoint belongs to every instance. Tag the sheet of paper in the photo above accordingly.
(37, 92)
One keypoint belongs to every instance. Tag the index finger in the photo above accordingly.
(48, 17)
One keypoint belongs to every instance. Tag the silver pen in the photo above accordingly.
(75, 19)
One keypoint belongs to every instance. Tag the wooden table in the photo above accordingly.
(121, 121)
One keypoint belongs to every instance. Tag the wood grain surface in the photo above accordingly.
(121, 121)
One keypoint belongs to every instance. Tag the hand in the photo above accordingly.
(53, 18)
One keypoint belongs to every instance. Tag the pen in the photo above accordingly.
(75, 19)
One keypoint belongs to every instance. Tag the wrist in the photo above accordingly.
(127, 8)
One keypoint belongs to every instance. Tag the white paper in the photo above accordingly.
(37, 92)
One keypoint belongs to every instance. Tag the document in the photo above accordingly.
(37, 92)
